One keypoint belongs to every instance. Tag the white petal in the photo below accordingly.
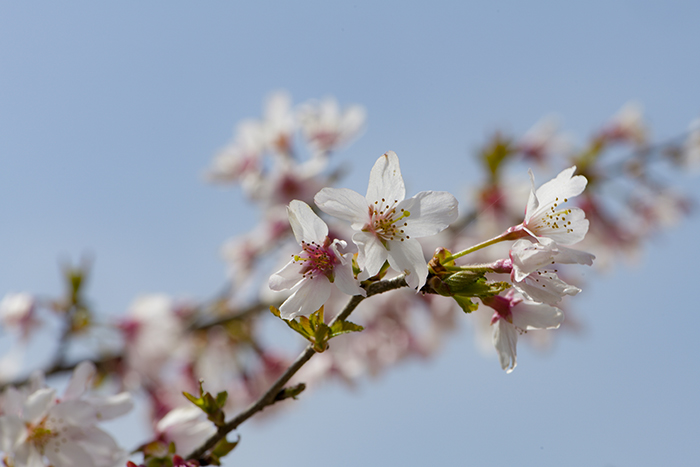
(79, 382)
(38, 404)
(12, 432)
(545, 287)
(111, 407)
(371, 254)
(306, 225)
(102, 448)
(345, 281)
(562, 186)
(407, 257)
(530, 315)
(67, 455)
(505, 339)
(28, 456)
(571, 256)
(308, 297)
(76, 412)
(344, 204)
(431, 212)
(286, 278)
(385, 180)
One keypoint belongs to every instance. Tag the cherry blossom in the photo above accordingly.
(36, 425)
(310, 273)
(386, 224)
(544, 214)
(515, 315)
(326, 128)
(187, 427)
(529, 275)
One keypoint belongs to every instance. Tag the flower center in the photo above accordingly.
(316, 259)
(40, 434)
(386, 222)
(554, 218)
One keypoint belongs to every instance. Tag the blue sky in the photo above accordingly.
(109, 113)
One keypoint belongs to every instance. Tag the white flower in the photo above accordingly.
(36, 425)
(16, 310)
(326, 128)
(515, 315)
(544, 215)
(310, 273)
(153, 332)
(387, 225)
(529, 275)
(187, 427)
(241, 160)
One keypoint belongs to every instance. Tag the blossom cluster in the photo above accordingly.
(504, 258)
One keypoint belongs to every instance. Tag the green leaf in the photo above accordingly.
(221, 399)
(221, 449)
(344, 327)
(465, 303)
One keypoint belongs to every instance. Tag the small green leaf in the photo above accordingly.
(344, 327)
(465, 303)
(221, 399)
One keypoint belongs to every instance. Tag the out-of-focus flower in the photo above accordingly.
(310, 273)
(515, 315)
(17, 312)
(690, 154)
(241, 159)
(37, 425)
(187, 427)
(543, 140)
(544, 216)
(153, 332)
(386, 224)
(279, 123)
(627, 125)
(326, 128)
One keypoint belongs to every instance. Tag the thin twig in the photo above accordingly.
(270, 396)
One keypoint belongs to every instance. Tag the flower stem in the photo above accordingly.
(270, 396)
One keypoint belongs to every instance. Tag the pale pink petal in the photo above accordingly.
(371, 254)
(563, 186)
(545, 287)
(407, 257)
(306, 225)
(309, 296)
(77, 412)
(345, 280)
(111, 407)
(505, 339)
(431, 212)
(530, 315)
(80, 381)
(344, 204)
(13, 431)
(38, 404)
(385, 180)
(28, 456)
(287, 277)
(67, 455)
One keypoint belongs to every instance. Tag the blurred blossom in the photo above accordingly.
(326, 128)
(279, 123)
(241, 160)
(187, 427)
(691, 147)
(543, 141)
(627, 125)
(36, 425)
(17, 312)
(154, 333)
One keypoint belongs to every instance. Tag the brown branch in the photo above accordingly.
(271, 395)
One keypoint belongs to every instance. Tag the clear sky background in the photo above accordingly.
(109, 113)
